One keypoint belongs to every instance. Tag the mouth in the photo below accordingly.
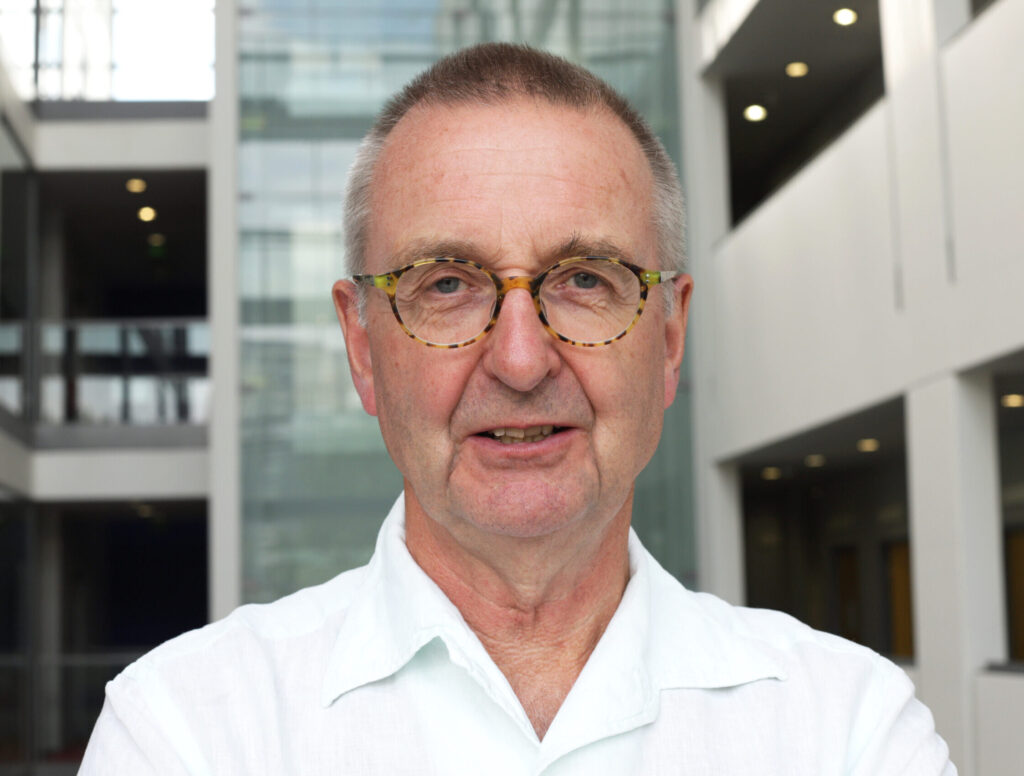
(511, 435)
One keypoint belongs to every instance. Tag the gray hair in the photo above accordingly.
(496, 73)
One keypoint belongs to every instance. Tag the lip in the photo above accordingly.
(520, 423)
(547, 448)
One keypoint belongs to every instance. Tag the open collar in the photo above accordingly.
(661, 637)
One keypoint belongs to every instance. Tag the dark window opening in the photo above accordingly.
(842, 78)
(825, 530)
(1009, 398)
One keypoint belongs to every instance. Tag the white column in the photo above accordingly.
(955, 533)
(719, 519)
(224, 516)
(926, 257)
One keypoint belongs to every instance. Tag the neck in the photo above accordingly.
(538, 605)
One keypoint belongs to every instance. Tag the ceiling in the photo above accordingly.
(110, 269)
(804, 114)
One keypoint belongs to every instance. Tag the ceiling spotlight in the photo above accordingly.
(1013, 400)
(867, 445)
(755, 113)
(156, 240)
(797, 69)
(771, 473)
(146, 213)
(844, 17)
(135, 185)
(814, 461)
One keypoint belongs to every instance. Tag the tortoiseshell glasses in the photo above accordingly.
(450, 303)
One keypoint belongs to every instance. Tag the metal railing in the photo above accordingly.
(106, 373)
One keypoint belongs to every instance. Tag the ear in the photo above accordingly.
(357, 342)
(675, 334)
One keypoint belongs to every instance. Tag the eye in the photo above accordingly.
(584, 280)
(448, 285)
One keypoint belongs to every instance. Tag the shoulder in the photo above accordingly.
(255, 639)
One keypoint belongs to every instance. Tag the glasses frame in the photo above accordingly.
(388, 283)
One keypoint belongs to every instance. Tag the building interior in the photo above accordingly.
(179, 434)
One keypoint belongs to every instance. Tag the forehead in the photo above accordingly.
(509, 182)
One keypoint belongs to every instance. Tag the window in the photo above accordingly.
(825, 529)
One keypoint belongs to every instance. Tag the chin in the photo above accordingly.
(526, 515)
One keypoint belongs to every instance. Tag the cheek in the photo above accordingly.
(417, 389)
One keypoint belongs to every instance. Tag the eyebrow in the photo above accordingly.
(575, 245)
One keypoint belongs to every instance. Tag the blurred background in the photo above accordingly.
(178, 433)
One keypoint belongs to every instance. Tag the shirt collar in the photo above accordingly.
(397, 611)
(661, 637)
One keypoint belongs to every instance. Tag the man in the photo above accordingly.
(516, 321)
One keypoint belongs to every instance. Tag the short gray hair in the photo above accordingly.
(496, 73)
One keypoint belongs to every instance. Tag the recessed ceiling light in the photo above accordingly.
(771, 473)
(867, 445)
(844, 17)
(156, 240)
(146, 213)
(135, 185)
(755, 113)
(1013, 400)
(814, 461)
(797, 69)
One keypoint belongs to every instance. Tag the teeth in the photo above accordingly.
(511, 435)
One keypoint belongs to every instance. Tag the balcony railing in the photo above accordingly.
(124, 372)
(106, 373)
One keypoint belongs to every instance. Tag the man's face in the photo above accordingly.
(514, 187)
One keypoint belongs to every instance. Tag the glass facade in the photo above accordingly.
(108, 49)
(316, 480)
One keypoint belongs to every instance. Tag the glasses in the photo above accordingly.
(450, 303)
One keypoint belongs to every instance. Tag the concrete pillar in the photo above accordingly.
(925, 248)
(224, 515)
(955, 534)
(719, 520)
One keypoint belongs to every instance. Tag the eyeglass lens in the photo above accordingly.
(586, 300)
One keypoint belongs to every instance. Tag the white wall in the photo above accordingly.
(983, 74)
(805, 311)
(131, 143)
(119, 474)
(1000, 703)
(891, 265)
(94, 474)
(807, 306)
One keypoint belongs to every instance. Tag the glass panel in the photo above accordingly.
(51, 399)
(111, 372)
(100, 399)
(198, 337)
(316, 480)
(17, 43)
(103, 50)
(99, 339)
(150, 66)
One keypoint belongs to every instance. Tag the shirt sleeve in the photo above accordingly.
(900, 737)
(129, 739)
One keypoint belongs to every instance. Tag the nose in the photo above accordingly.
(518, 350)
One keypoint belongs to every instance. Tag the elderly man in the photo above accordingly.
(516, 321)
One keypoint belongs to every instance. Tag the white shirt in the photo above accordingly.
(375, 672)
